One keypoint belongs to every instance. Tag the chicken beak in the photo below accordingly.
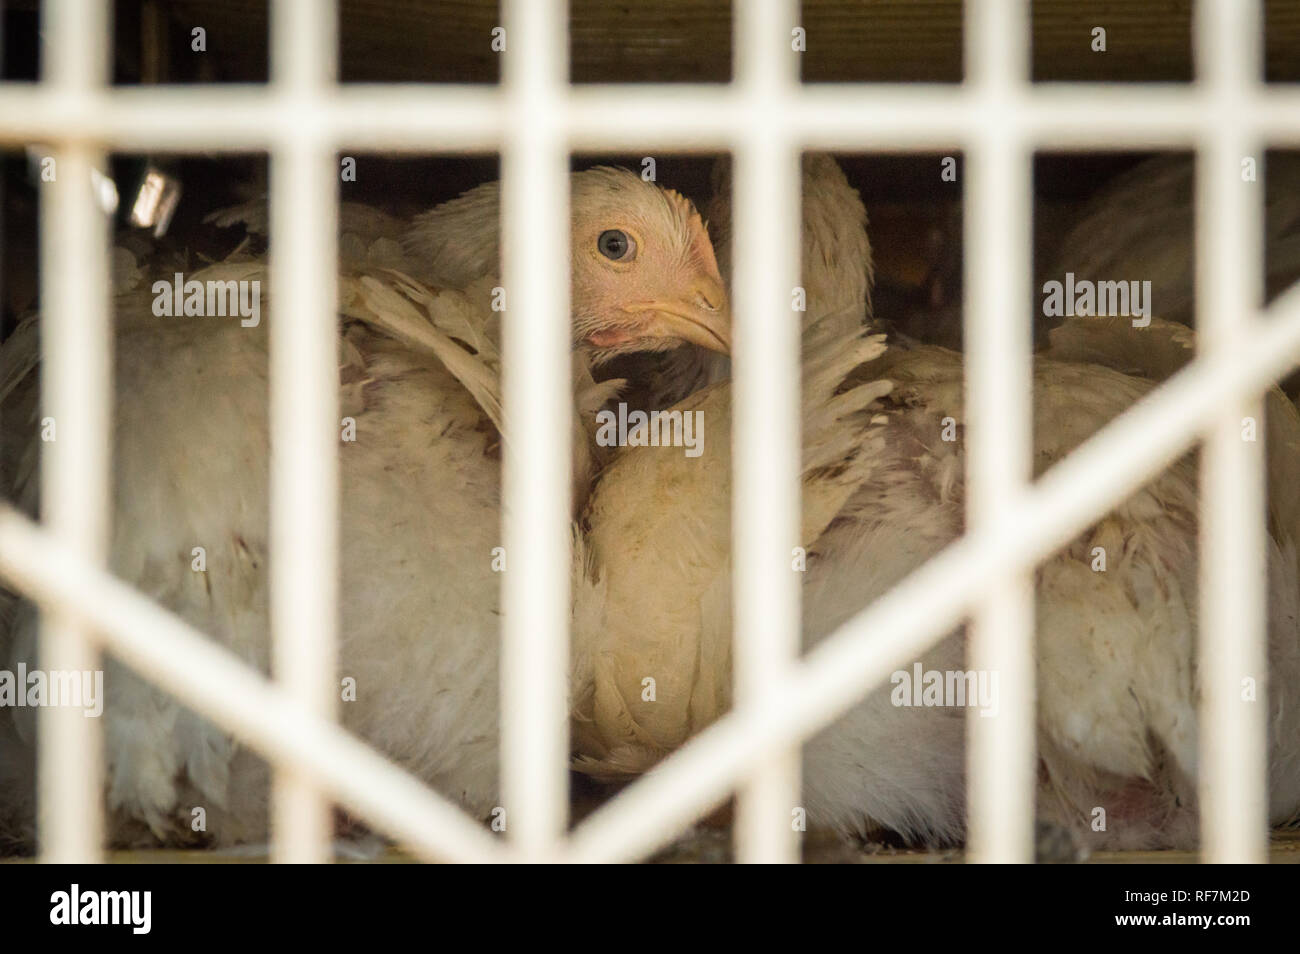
(703, 319)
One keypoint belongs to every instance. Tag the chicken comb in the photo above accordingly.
(700, 248)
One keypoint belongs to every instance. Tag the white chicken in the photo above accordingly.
(420, 504)
(832, 278)
(1142, 223)
(1141, 226)
(1117, 683)
(1116, 661)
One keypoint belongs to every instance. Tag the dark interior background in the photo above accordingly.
(448, 41)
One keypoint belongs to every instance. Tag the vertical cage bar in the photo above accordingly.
(539, 408)
(999, 405)
(303, 406)
(76, 396)
(765, 444)
(1233, 569)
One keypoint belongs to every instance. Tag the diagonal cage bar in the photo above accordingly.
(1078, 490)
(217, 684)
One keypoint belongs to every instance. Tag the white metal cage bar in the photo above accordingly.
(841, 117)
(1233, 583)
(765, 405)
(539, 406)
(1001, 756)
(996, 117)
(185, 662)
(76, 397)
(304, 419)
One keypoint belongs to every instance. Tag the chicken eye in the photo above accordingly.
(616, 245)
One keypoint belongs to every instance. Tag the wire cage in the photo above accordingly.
(765, 117)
